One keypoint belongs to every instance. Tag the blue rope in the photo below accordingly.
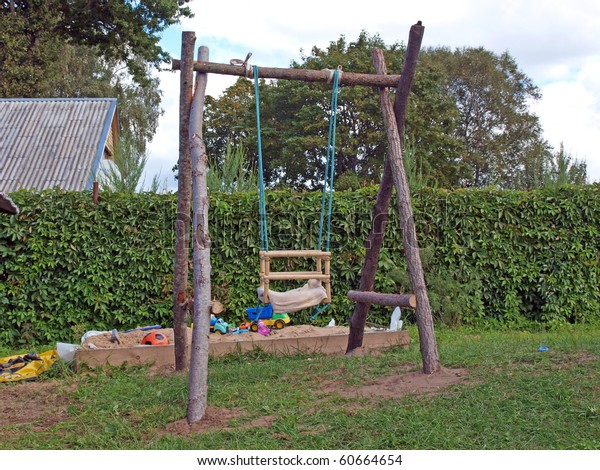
(329, 165)
(318, 310)
(327, 181)
(264, 232)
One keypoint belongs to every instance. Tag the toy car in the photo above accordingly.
(217, 325)
(265, 313)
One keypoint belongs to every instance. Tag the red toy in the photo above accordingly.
(155, 339)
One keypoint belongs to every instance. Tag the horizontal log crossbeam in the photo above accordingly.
(390, 300)
(305, 75)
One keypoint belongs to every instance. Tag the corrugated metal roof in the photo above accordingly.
(53, 142)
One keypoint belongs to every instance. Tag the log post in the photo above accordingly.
(182, 222)
(384, 194)
(305, 75)
(198, 379)
(95, 192)
(427, 341)
(389, 300)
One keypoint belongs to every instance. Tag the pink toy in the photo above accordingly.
(262, 328)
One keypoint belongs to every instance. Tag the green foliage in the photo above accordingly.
(493, 258)
(37, 61)
(294, 120)
(124, 173)
(68, 265)
(348, 181)
(468, 119)
(497, 129)
(233, 173)
(27, 47)
(562, 170)
(455, 299)
(123, 30)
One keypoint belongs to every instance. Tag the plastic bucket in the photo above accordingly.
(66, 351)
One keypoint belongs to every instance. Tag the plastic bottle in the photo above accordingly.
(395, 322)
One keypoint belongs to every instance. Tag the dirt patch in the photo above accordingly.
(411, 383)
(37, 404)
(392, 386)
(405, 381)
(215, 419)
(41, 405)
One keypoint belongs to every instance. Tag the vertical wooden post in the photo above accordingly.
(182, 222)
(198, 380)
(384, 195)
(95, 191)
(328, 280)
(427, 341)
(264, 283)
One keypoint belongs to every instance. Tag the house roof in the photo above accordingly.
(54, 142)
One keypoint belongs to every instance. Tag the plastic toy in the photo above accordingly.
(265, 313)
(217, 325)
(155, 339)
(263, 329)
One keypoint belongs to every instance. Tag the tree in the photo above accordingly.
(233, 173)
(122, 30)
(295, 115)
(468, 120)
(230, 119)
(124, 173)
(28, 47)
(37, 61)
(562, 169)
(81, 73)
(496, 127)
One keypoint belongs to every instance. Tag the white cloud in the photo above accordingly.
(555, 42)
(570, 114)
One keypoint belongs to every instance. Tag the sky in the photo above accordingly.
(554, 42)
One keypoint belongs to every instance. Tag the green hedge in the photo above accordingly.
(492, 257)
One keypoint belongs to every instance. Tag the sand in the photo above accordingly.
(134, 338)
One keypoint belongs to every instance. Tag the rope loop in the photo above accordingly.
(332, 72)
(243, 63)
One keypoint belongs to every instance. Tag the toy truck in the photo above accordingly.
(265, 313)
(217, 325)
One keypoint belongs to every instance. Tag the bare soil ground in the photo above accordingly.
(394, 386)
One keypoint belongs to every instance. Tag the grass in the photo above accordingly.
(514, 397)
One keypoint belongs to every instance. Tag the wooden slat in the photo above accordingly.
(295, 253)
(284, 276)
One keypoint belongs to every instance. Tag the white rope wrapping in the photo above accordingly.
(244, 63)
(330, 76)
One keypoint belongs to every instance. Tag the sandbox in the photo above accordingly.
(307, 339)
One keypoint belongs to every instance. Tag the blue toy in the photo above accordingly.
(265, 313)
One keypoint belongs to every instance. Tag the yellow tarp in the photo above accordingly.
(26, 366)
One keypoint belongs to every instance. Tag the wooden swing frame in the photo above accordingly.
(393, 176)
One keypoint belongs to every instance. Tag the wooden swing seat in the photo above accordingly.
(321, 273)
